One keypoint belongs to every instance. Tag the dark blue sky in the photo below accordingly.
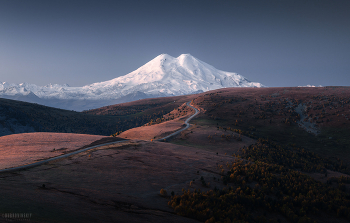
(274, 42)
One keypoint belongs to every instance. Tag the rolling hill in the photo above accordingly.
(23, 117)
(251, 155)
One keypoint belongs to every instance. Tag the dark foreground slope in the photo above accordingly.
(22, 117)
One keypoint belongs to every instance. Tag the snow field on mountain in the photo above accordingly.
(162, 76)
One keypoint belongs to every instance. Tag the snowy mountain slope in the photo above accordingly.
(162, 76)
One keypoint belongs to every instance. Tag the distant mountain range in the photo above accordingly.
(162, 76)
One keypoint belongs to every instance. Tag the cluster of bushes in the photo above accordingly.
(329, 106)
(259, 186)
(341, 179)
(269, 180)
(341, 182)
(291, 157)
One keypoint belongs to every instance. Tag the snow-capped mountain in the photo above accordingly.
(162, 76)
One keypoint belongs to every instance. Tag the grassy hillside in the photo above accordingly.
(296, 171)
(19, 117)
(252, 155)
(314, 118)
(138, 113)
(46, 119)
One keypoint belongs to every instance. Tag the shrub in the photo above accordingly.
(163, 192)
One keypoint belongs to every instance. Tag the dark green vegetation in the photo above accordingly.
(275, 180)
(18, 117)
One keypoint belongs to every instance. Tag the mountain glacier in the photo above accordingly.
(162, 76)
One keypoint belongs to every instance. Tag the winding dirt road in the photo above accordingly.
(186, 122)
(92, 147)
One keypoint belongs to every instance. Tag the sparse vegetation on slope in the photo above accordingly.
(259, 187)
(316, 119)
(301, 133)
(291, 157)
(267, 178)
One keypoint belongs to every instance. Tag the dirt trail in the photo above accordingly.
(28, 150)
(160, 131)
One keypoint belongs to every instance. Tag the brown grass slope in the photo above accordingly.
(272, 113)
(26, 148)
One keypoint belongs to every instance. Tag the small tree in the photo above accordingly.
(163, 192)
